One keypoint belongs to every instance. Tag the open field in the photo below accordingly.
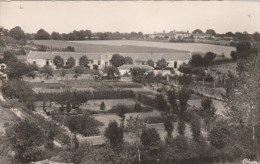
(192, 47)
(103, 48)
(131, 46)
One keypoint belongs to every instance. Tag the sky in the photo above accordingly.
(144, 16)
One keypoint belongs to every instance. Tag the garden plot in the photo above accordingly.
(94, 105)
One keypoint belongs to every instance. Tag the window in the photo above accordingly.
(99, 62)
(47, 62)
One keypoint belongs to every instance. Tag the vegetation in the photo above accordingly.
(114, 133)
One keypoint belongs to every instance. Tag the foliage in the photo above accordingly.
(196, 127)
(150, 62)
(42, 35)
(219, 137)
(71, 62)
(210, 31)
(85, 124)
(83, 61)
(114, 133)
(150, 137)
(243, 46)
(196, 60)
(58, 62)
(55, 35)
(25, 138)
(117, 60)
(161, 103)
(161, 64)
(128, 60)
(78, 70)
(17, 89)
(102, 106)
(168, 126)
(185, 80)
(233, 54)
(208, 111)
(111, 71)
(17, 33)
(47, 71)
(199, 31)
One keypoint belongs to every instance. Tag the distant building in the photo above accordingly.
(46, 58)
(179, 35)
(201, 36)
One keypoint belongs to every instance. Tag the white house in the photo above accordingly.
(46, 58)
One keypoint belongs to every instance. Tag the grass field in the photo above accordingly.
(192, 47)
(102, 48)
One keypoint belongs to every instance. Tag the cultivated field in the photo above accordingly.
(91, 47)
(192, 47)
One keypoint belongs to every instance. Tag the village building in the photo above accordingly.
(179, 35)
(46, 58)
(174, 60)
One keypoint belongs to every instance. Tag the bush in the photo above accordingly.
(129, 109)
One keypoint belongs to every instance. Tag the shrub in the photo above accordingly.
(102, 106)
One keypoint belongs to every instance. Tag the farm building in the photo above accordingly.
(174, 60)
(46, 58)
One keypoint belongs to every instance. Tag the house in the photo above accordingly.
(201, 35)
(46, 58)
(125, 69)
(174, 60)
(179, 35)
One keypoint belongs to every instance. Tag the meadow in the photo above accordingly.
(132, 46)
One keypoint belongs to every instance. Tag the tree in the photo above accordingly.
(83, 61)
(17, 33)
(185, 80)
(16, 70)
(196, 127)
(196, 60)
(136, 126)
(2, 43)
(9, 57)
(219, 137)
(58, 61)
(150, 137)
(150, 62)
(42, 35)
(128, 60)
(172, 98)
(47, 71)
(25, 139)
(208, 58)
(71, 62)
(74, 126)
(102, 106)
(168, 126)
(70, 49)
(229, 34)
(117, 60)
(114, 133)
(161, 64)
(161, 103)
(207, 112)
(111, 71)
(95, 67)
(55, 36)
(197, 31)
(78, 70)
(183, 96)
(211, 32)
(233, 54)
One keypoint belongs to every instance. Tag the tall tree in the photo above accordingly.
(199, 31)
(161, 64)
(211, 32)
(17, 33)
(196, 60)
(128, 60)
(58, 61)
(25, 138)
(114, 133)
(233, 54)
(55, 36)
(183, 97)
(150, 62)
(83, 61)
(207, 112)
(71, 62)
(42, 35)
(117, 60)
